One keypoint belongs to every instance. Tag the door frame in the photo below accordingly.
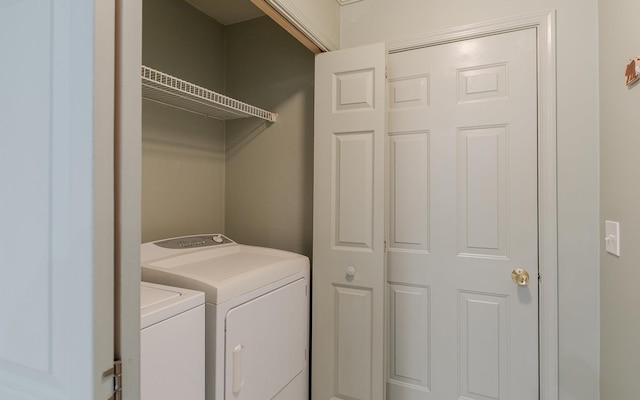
(545, 24)
(127, 191)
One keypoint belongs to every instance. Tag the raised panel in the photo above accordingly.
(409, 190)
(353, 90)
(484, 343)
(482, 191)
(353, 188)
(409, 92)
(482, 83)
(409, 336)
(354, 318)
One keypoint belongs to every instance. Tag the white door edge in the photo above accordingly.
(128, 131)
(545, 24)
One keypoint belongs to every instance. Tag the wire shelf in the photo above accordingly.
(175, 92)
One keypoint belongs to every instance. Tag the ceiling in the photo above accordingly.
(228, 12)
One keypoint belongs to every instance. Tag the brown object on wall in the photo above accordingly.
(631, 74)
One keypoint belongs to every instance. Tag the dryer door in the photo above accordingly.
(266, 343)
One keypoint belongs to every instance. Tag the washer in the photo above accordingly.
(257, 312)
(172, 361)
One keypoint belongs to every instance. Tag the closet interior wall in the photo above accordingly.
(248, 178)
(269, 167)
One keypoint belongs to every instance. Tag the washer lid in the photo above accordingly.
(159, 302)
(225, 272)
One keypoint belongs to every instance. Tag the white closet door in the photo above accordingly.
(463, 204)
(348, 240)
(56, 202)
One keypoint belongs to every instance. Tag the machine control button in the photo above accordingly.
(188, 242)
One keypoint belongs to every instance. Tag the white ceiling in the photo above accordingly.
(228, 12)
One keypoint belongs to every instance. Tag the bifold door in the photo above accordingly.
(459, 215)
(462, 207)
(348, 239)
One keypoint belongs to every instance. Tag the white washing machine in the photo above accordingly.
(257, 312)
(172, 343)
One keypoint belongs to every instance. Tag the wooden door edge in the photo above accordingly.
(287, 25)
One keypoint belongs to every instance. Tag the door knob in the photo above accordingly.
(520, 276)
(351, 273)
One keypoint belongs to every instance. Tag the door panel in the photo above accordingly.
(353, 337)
(409, 353)
(348, 248)
(483, 322)
(482, 190)
(469, 186)
(27, 142)
(353, 184)
(409, 191)
(56, 207)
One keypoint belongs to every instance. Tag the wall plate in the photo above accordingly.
(612, 237)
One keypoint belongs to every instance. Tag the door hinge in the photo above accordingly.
(116, 373)
(386, 72)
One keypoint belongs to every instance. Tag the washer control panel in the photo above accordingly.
(191, 242)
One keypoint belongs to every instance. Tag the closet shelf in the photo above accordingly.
(175, 92)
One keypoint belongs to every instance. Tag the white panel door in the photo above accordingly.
(462, 214)
(56, 202)
(348, 237)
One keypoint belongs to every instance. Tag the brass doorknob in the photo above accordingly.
(520, 276)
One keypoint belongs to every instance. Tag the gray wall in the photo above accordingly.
(372, 21)
(182, 153)
(269, 167)
(247, 178)
(620, 200)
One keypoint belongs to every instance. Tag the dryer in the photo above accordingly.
(257, 312)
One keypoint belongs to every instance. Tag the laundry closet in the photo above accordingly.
(250, 178)
(227, 147)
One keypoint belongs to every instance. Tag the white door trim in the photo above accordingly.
(545, 24)
(128, 150)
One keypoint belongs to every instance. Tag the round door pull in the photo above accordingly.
(520, 276)
(350, 273)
